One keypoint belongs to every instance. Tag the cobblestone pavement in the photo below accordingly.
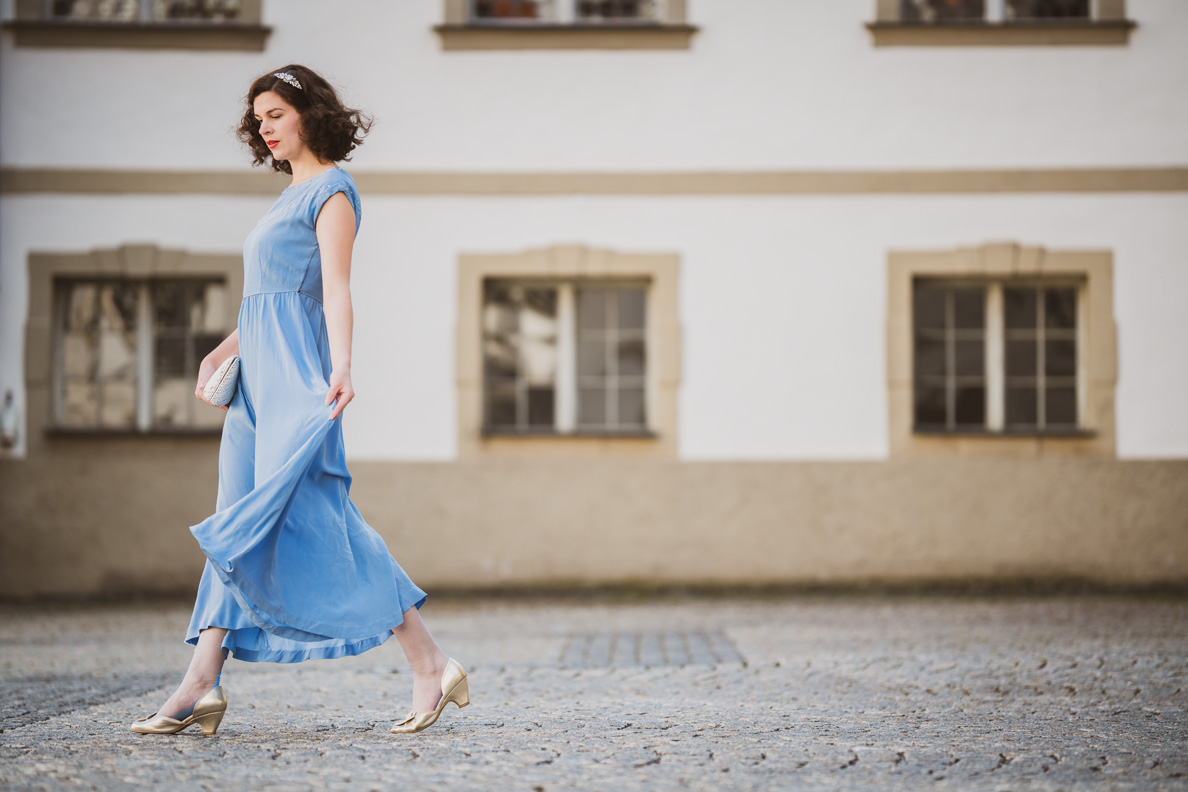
(843, 692)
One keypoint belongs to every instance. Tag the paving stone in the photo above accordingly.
(810, 693)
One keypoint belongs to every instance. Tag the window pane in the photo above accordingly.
(631, 309)
(171, 401)
(113, 10)
(930, 406)
(592, 358)
(969, 308)
(928, 308)
(591, 309)
(1061, 406)
(1047, 9)
(117, 331)
(1022, 407)
(539, 359)
(206, 10)
(1060, 308)
(118, 408)
(538, 312)
(540, 407)
(1060, 358)
(971, 406)
(631, 407)
(501, 404)
(80, 403)
(170, 356)
(941, 10)
(499, 310)
(930, 357)
(971, 358)
(594, 10)
(170, 304)
(1020, 308)
(499, 358)
(592, 406)
(631, 358)
(1021, 358)
(513, 9)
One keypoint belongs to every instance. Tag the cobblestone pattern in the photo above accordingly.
(834, 693)
(648, 648)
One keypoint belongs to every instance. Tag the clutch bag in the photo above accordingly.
(220, 388)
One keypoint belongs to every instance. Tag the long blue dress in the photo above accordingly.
(292, 570)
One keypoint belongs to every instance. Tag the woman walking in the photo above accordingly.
(293, 572)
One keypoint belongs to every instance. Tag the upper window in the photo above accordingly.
(147, 10)
(563, 11)
(997, 356)
(941, 11)
(126, 352)
(564, 356)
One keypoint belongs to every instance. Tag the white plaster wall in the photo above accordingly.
(768, 84)
(782, 300)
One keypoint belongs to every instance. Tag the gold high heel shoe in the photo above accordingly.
(207, 712)
(453, 688)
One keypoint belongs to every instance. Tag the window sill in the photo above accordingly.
(633, 434)
(1012, 34)
(80, 432)
(122, 35)
(537, 36)
(1075, 434)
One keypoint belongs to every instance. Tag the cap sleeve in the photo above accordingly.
(339, 182)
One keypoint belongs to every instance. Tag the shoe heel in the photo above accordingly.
(210, 723)
(460, 695)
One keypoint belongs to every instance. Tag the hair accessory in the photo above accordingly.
(290, 79)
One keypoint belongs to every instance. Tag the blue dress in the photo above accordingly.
(292, 570)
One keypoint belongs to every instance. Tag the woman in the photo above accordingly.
(293, 572)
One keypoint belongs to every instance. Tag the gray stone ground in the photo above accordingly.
(806, 692)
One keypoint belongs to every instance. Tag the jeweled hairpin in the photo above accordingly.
(290, 79)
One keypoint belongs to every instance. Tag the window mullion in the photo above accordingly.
(144, 357)
(995, 359)
(995, 11)
(565, 386)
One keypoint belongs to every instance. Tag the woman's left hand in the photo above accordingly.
(341, 389)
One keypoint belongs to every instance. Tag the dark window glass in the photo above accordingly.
(933, 11)
(1060, 309)
(540, 407)
(592, 406)
(519, 354)
(631, 407)
(1061, 406)
(971, 406)
(928, 308)
(930, 406)
(930, 357)
(1047, 9)
(1022, 407)
(1021, 358)
(971, 358)
(969, 309)
(949, 355)
(1021, 308)
(594, 10)
(1060, 358)
(507, 9)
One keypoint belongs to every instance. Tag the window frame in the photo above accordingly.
(33, 25)
(460, 30)
(1107, 25)
(1008, 264)
(131, 262)
(571, 263)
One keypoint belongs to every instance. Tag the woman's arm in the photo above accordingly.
(336, 237)
(228, 347)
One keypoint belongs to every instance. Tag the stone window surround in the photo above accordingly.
(1096, 356)
(571, 262)
(459, 32)
(130, 261)
(1108, 27)
(31, 28)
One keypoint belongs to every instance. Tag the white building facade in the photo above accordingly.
(774, 292)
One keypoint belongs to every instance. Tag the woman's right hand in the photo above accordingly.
(208, 367)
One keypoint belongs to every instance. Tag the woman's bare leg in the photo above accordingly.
(425, 658)
(200, 677)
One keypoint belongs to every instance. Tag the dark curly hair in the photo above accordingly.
(330, 128)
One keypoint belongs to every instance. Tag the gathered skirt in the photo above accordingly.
(293, 571)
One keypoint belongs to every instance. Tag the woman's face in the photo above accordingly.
(280, 126)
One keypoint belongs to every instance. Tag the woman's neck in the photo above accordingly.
(307, 167)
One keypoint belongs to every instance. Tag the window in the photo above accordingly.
(956, 344)
(1000, 22)
(127, 352)
(564, 357)
(1001, 349)
(146, 10)
(567, 11)
(140, 24)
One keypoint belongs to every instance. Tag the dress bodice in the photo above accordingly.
(281, 253)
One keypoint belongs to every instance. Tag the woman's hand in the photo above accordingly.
(341, 389)
(208, 367)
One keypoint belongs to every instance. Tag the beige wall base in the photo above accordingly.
(91, 518)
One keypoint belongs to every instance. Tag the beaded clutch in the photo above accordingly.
(220, 388)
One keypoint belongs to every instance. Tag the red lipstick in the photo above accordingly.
(272, 143)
